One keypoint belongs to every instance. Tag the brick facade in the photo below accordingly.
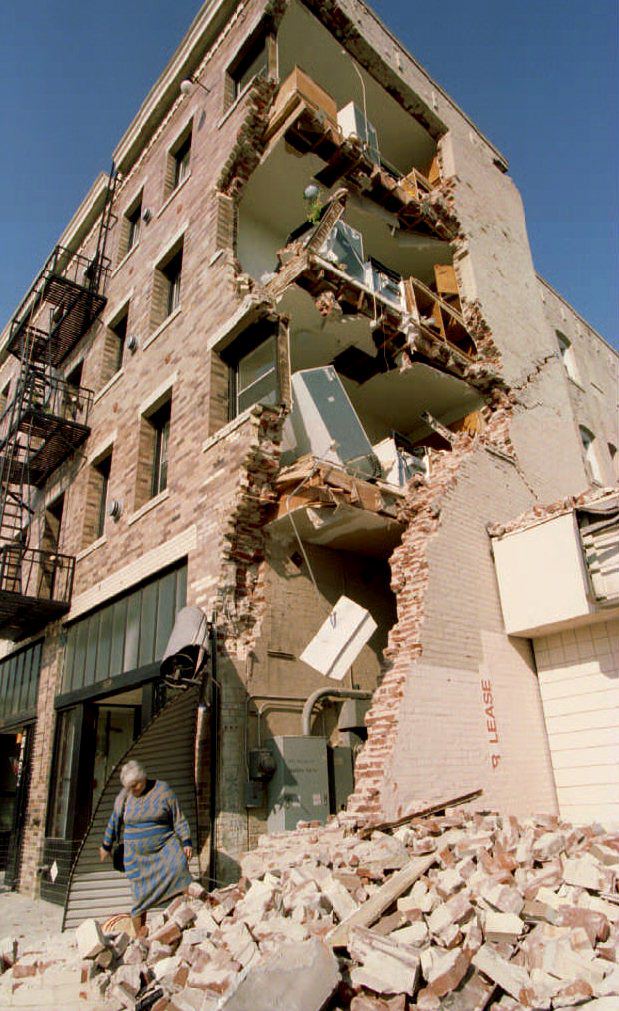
(441, 636)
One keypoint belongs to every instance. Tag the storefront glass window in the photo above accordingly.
(61, 775)
(130, 633)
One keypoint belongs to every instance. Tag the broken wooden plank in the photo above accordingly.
(383, 826)
(386, 895)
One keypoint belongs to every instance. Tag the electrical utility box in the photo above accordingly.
(299, 788)
(341, 772)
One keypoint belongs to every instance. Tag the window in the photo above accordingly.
(4, 398)
(253, 368)
(96, 499)
(172, 273)
(114, 346)
(62, 774)
(152, 473)
(72, 401)
(252, 60)
(177, 167)
(592, 465)
(134, 219)
(167, 286)
(160, 422)
(567, 356)
(181, 161)
(127, 633)
(74, 377)
(130, 228)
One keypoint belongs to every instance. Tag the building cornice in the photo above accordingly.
(585, 322)
(203, 31)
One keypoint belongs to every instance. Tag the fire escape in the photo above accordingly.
(43, 424)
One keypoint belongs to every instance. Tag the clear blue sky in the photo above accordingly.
(539, 77)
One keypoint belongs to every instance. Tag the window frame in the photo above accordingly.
(588, 441)
(566, 352)
(160, 421)
(103, 466)
(167, 284)
(261, 40)
(174, 281)
(135, 223)
(117, 332)
(178, 161)
(252, 338)
(131, 221)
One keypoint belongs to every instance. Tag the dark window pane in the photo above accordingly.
(147, 625)
(19, 683)
(27, 675)
(90, 673)
(11, 685)
(81, 644)
(4, 674)
(69, 659)
(105, 643)
(36, 671)
(181, 161)
(165, 613)
(134, 218)
(61, 775)
(119, 621)
(160, 421)
(132, 636)
(181, 588)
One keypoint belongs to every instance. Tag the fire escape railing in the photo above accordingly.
(46, 420)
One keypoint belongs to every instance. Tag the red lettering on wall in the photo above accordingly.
(491, 724)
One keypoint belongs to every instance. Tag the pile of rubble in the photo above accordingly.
(461, 912)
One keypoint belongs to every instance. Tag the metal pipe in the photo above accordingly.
(344, 693)
(214, 701)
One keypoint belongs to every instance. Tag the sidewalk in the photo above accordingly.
(35, 925)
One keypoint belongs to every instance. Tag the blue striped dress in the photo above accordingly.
(155, 832)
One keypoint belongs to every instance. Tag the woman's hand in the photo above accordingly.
(188, 851)
(103, 854)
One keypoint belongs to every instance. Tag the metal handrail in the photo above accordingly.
(90, 274)
(47, 395)
(34, 572)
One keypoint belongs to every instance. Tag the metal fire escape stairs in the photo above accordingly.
(43, 424)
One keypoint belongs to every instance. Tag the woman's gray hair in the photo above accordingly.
(132, 772)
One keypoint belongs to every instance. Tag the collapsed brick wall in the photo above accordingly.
(239, 602)
(378, 768)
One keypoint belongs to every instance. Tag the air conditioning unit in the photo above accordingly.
(353, 123)
(399, 465)
(384, 282)
(343, 248)
(323, 422)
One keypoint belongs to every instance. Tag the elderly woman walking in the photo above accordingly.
(157, 840)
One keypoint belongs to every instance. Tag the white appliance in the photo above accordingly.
(400, 465)
(343, 247)
(385, 283)
(323, 422)
(353, 123)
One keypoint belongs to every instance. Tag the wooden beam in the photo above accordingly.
(386, 895)
(382, 826)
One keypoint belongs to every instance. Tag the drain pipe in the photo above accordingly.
(321, 693)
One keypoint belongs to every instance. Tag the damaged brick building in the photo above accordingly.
(291, 364)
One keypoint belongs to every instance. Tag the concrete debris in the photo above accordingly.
(454, 912)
